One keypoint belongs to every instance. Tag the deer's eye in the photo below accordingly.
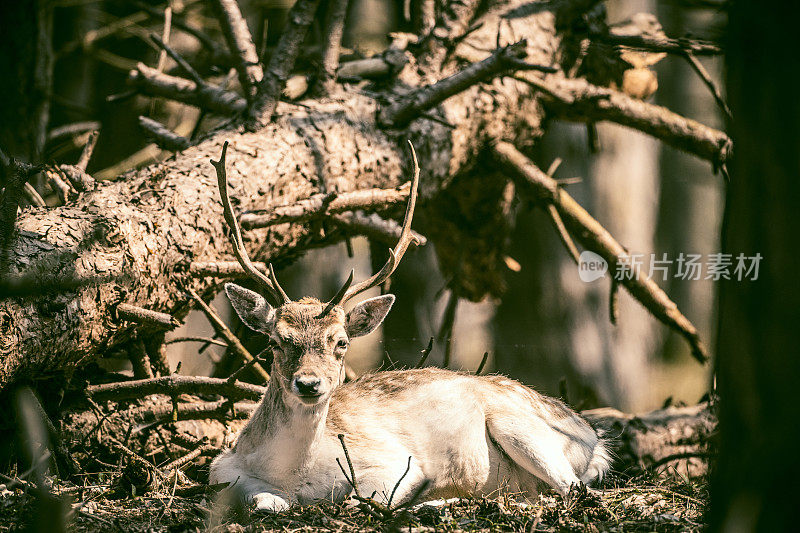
(341, 344)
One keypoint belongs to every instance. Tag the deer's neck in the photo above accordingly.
(287, 430)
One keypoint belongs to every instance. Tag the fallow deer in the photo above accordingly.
(464, 434)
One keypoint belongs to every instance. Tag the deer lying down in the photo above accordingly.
(465, 434)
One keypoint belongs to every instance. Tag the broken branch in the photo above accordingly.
(233, 341)
(412, 105)
(165, 138)
(151, 82)
(326, 204)
(240, 43)
(579, 100)
(596, 238)
(173, 385)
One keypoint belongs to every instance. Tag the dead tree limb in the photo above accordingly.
(678, 437)
(165, 138)
(326, 204)
(135, 237)
(596, 238)
(374, 227)
(579, 100)
(240, 43)
(334, 29)
(223, 331)
(664, 44)
(283, 58)
(174, 385)
(151, 82)
(412, 105)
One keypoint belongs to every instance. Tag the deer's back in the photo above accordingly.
(443, 402)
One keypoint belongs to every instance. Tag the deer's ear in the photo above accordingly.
(368, 315)
(252, 308)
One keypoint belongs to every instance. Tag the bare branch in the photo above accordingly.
(240, 42)
(140, 361)
(374, 227)
(233, 341)
(218, 55)
(208, 340)
(649, 43)
(77, 177)
(165, 138)
(424, 354)
(88, 150)
(55, 178)
(283, 59)
(33, 195)
(326, 204)
(334, 28)
(483, 363)
(578, 100)
(223, 269)
(143, 316)
(208, 97)
(387, 63)
(412, 105)
(446, 327)
(596, 238)
(182, 63)
(174, 385)
(706, 77)
(563, 234)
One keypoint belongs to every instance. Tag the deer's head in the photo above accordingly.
(309, 338)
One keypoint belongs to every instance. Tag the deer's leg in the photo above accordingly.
(384, 481)
(248, 489)
(535, 447)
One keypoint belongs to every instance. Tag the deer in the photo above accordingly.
(423, 433)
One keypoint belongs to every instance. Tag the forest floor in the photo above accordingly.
(667, 503)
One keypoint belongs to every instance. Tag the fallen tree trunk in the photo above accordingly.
(673, 438)
(132, 240)
(135, 240)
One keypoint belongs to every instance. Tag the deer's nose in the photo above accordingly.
(307, 385)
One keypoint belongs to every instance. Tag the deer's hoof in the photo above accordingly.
(266, 502)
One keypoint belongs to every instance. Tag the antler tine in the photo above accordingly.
(274, 290)
(277, 285)
(406, 237)
(337, 298)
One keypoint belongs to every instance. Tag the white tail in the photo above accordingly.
(442, 433)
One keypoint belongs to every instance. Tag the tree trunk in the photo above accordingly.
(757, 364)
(26, 57)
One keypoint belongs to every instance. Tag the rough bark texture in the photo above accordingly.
(140, 232)
(673, 437)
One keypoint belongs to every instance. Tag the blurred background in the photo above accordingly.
(549, 329)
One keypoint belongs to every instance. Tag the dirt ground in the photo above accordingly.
(668, 502)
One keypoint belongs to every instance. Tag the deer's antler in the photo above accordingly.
(406, 237)
(269, 284)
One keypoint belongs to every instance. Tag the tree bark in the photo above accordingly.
(757, 365)
(132, 240)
